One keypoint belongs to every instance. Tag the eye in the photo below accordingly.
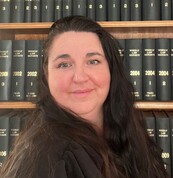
(64, 65)
(93, 62)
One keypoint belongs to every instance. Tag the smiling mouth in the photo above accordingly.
(82, 92)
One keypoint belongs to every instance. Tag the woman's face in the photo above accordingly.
(78, 73)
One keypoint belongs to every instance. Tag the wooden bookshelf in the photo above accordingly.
(142, 105)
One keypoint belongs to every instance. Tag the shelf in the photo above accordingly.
(105, 24)
(143, 105)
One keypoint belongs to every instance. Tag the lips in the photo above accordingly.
(82, 91)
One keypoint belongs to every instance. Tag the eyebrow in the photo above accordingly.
(66, 56)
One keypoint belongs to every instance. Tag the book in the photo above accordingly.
(136, 10)
(163, 138)
(90, 9)
(5, 69)
(79, 7)
(17, 11)
(150, 121)
(32, 69)
(47, 10)
(4, 136)
(114, 7)
(5, 11)
(163, 64)
(58, 9)
(170, 115)
(134, 65)
(36, 11)
(149, 69)
(18, 70)
(171, 51)
(67, 8)
(101, 10)
(27, 10)
(125, 10)
(151, 9)
(166, 9)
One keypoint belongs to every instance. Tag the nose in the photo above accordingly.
(80, 74)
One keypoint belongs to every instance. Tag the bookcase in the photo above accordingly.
(119, 29)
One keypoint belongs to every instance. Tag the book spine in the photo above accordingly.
(163, 63)
(101, 10)
(135, 10)
(5, 69)
(32, 66)
(166, 9)
(14, 129)
(17, 11)
(27, 10)
(134, 64)
(47, 10)
(4, 137)
(91, 9)
(58, 9)
(163, 138)
(5, 11)
(151, 9)
(18, 70)
(125, 10)
(36, 11)
(150, 121)
(79, 7)
(114, 7)
(67, 8)
(149, 69)
(171, 50)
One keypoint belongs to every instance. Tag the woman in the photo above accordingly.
(85, 125)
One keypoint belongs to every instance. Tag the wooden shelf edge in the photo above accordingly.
(143, 105)
(17, 105)
(105, 24)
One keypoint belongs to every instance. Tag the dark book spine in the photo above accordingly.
(32, 69)
(17, 11)
(171, 50)
(166, 9)
(101, 10)
(4, 137)
(135, 10)
(91, 9)
(114, 7)
(5, 69)
(163, 138)
(149, 69)
(58, 9)
(163, 63)
(27, 10)
(151, 9)
(67, 8)
(79, 7)
(18, 70)
(125, 10)
(5, 11)
(170, 115)
(134, 64)
(47, 10)
(150, 121)
(36, 11)
(14, 129)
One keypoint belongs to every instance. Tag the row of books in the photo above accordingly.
(149, 64)
(160, 128)
(11, 123)
(20, 67)
(99, 10)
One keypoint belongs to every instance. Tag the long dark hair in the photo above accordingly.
(124, 146)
